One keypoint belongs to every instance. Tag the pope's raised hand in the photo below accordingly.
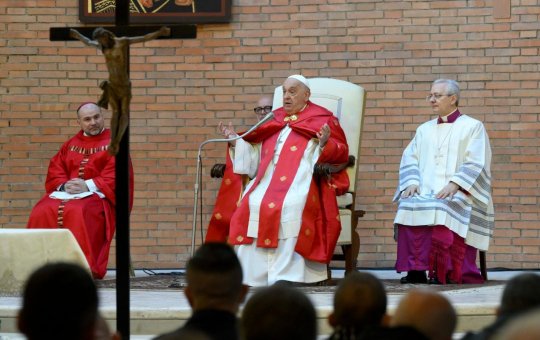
(323, 135)
(226, 130)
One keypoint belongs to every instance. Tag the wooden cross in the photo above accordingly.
(122, 28)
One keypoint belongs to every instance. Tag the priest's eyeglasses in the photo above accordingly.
(437, 96)
(262, 109)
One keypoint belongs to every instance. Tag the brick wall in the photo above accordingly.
(183, 88)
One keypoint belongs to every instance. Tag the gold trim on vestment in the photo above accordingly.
(291, 118)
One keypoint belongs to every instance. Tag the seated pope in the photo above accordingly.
(80, 190)
(285, 225)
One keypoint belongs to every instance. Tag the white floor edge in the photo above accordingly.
(154, 312)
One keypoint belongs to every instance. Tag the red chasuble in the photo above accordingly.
(91, 219)
(320, 218)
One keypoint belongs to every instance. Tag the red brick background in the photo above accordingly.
(183, 88)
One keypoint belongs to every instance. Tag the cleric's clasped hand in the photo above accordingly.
(75, 186)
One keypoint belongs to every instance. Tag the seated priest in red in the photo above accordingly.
(232, 186)
(80, 190)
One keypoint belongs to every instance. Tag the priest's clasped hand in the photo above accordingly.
(75, 186)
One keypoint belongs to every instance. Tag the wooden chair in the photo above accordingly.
(347, 101)
(483, 269)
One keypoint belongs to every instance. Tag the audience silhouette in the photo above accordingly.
(359, 303)
(214, 291)
(520, 295)
(360, 311)
(60, 302)
(523, 327)
(428, 312)
(278, 312)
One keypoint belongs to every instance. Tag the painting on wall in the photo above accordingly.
(158, 11)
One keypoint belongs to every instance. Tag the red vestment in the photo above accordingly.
(229, 193)
(320, 218)
(91, 219)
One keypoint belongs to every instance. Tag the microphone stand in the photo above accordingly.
(199, 170)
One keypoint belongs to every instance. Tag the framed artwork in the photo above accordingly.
(158, 11)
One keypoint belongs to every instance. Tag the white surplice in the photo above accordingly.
(439, 153)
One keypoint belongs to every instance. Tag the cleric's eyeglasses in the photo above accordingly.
(262, 109)
(436, 96)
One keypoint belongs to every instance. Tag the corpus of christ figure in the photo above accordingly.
(117, 90)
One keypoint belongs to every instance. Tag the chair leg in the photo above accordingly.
(328, 273)
(131, 271)
(483, 269)
(350, 252)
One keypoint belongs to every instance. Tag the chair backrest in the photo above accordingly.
(347, 101)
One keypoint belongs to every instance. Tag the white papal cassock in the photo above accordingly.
(264, 266)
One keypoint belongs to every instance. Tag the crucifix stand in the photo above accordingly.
(122, 28)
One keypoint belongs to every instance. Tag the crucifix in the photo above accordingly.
(123, 30)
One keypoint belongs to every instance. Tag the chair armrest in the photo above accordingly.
(359, 213)
(326, 169)
(217, 170)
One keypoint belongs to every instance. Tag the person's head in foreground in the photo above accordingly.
(278, 312)
(60, 302)
(521, 293)
(214, 278)
(428, 312)
(359, 302)
(525, 326)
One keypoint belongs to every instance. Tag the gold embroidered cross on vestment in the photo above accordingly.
(291, 118)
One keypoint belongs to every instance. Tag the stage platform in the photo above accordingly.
(157, 311)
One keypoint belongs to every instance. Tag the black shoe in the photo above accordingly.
(405, 280)
(284, 283)
(414, 276)
(434, 281)
(293, 284)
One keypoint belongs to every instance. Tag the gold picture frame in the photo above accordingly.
(158, 11)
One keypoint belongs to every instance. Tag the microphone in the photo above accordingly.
(266, 118)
